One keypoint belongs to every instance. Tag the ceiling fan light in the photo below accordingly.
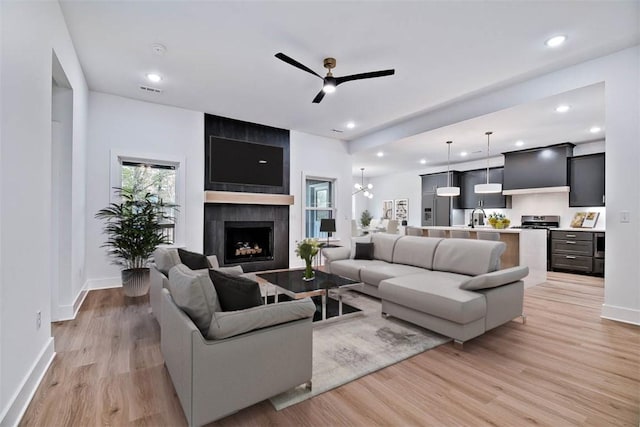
(448, 191)
(487, 188)
(328, 88)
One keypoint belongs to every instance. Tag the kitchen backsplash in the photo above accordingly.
(538, 204)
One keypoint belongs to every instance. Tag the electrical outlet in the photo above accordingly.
(38, 319)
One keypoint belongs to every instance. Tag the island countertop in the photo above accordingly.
(497, 230)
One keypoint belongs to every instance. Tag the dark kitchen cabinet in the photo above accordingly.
(431, 182)
(586, 178)
(537, 167)
(469, 199)
(577, 251)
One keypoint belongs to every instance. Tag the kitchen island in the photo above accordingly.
(524, 247)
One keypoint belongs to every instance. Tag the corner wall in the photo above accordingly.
(29, 33)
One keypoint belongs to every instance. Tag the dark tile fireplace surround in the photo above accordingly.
(255, 236)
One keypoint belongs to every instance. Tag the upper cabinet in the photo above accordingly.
(469, 199)
(537, 167)
(431, 182)
(586, 178)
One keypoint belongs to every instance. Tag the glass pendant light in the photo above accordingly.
(360, 187)
(488, 187)
(448, 191)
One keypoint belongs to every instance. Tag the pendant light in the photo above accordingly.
(361, 187)
(448, 191)
(488, 187)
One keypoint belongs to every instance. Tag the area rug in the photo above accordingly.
(349, 349)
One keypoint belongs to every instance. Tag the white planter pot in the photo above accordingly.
(136, 281)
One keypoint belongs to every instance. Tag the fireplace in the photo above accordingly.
(248, 241)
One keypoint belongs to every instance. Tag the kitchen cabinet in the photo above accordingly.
(577, 251)
(586, 178)
(469, 199)
(431, 182)
(537, 167)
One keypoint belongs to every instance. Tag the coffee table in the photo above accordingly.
(291, 284)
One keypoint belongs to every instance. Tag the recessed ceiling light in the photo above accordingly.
(595, 129)
(556, 41)
(562, 108)
(351, 125)
(464, 153)
(153, 77)
(519, 143)
(380, 154)
(423, 161)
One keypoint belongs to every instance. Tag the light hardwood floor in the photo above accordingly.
(565, 366)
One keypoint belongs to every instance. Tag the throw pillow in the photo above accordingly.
(234, 292)
(195, 295)
(364, 251)
(193, 260)
(166, 259)
(236, 270)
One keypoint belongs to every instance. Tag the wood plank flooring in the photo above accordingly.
(566, 366)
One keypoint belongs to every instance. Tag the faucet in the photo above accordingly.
(484, 214)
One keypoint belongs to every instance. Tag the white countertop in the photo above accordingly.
(498, 230)
(592, 230)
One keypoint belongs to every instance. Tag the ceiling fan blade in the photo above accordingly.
(340, 80)
(281, 56)
(318, 97)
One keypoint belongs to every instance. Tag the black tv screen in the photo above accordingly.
(240, 162)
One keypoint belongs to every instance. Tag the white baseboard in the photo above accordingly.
(620, 314)
(22, 397)
(106, 283)
(69, 312)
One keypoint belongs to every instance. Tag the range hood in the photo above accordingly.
(537, 170)
(539, 190)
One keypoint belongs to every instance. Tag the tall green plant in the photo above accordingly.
(133, 228)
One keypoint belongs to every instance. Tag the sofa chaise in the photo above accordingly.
(450, 286)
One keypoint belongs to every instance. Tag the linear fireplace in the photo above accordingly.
(248, 241)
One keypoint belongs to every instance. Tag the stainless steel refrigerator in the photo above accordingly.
(436, 210)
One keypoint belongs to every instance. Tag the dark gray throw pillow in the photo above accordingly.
(364, 251)
(193, 260)
(234, 292)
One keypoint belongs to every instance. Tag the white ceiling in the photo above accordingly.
(220, 54)
(536, 124)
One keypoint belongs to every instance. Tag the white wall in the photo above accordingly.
(323, 157)
(140, 129)
(30, 33)
(621, 73)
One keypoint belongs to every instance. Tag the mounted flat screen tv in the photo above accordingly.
(240, 162)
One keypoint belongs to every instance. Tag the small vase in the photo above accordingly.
(308, 271)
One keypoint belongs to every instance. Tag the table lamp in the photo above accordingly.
(329, 226)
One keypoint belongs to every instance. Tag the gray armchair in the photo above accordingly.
(215, 378)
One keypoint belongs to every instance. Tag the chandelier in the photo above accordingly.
(361, 188)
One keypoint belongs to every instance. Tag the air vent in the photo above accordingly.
(337, 130)
(150, 89)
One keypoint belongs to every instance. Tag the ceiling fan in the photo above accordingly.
(329, 81)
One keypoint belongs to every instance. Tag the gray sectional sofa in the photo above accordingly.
(450, 286)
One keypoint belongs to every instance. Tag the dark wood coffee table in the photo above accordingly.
(291, 284)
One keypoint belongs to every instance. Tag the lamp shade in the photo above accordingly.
(488, 188)
(448, 191)
(328, 225)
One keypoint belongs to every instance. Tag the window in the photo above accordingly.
(140, 178)
(319, 204)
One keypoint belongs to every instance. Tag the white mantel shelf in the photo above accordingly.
(238, 198)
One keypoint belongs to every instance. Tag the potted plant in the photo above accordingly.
(365, 218)
(133, 229)
(307, 249)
